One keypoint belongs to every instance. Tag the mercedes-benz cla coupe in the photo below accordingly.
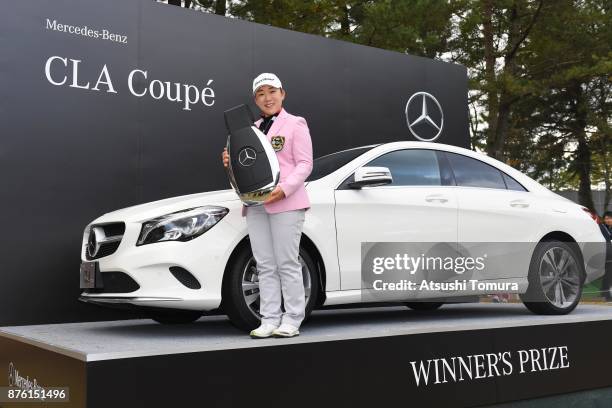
(180, 257)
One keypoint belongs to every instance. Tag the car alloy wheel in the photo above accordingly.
(240, 291)
(250, 284)
(556, 276)
(559, 277)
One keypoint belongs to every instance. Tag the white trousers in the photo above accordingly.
(275, 242)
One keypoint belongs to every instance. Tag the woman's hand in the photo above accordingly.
(225, 157)
(276, 195)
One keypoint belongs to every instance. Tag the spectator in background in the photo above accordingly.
(606, 283)
(608, 220)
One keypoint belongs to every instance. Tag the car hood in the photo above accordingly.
(142, 212)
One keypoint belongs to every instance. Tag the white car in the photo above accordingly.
(180, 257)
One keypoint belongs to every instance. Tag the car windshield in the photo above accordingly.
(324, 165)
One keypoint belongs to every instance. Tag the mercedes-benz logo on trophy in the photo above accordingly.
(247, 156)
(424, 116)
(253, 168)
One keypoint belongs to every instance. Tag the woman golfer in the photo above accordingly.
(275, 227)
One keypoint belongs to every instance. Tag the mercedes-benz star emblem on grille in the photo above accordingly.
(424, 116)
(93, 243)
(247, 156)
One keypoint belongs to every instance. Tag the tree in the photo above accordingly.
(493, 37)
(415, 27)
(211, 6)
(314, 17)
(570, 60)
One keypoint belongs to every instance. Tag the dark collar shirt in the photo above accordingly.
(266, 123)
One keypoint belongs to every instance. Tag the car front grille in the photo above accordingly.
(103, 240)
(115, 282)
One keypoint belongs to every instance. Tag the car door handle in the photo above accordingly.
(436, 197)
(519, 204)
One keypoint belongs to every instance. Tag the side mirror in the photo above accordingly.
(371, 176)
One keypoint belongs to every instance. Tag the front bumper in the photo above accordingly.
(131, 301)
(204, 257)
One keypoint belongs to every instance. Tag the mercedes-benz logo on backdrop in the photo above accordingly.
(247, 156)
(424, 116)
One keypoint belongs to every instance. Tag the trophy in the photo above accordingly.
(253, 167)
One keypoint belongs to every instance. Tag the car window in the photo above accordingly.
(474, 173)
(411, 167)
(324, 165)
(512, 184)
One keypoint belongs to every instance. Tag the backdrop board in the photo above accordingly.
(107, 104)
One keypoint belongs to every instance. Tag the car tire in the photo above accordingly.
(175, 316)
(424, 306)
(556, 276)
(240, 297)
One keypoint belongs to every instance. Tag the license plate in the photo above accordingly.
(88, 275)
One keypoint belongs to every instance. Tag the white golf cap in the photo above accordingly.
(266, 79)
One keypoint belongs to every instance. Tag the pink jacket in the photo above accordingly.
(290, 138)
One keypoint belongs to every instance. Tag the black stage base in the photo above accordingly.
(352, 357)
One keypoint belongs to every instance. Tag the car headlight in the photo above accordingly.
(182, 225)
